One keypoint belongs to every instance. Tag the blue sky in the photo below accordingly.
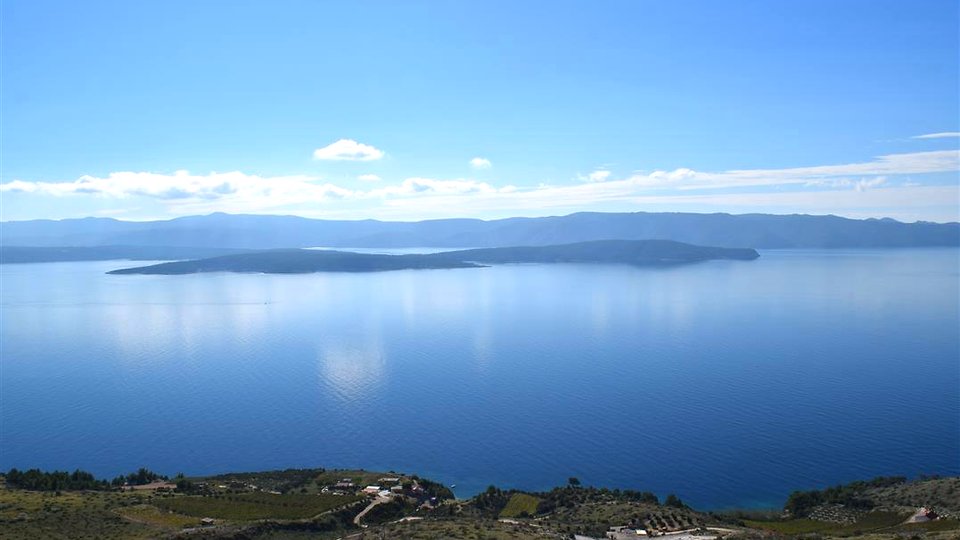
(415, 110)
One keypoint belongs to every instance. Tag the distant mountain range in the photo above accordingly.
(764, 231)
(33, 254)
(299, 261)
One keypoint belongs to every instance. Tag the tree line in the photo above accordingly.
(37, 480)
(801, 503)
(494, 500)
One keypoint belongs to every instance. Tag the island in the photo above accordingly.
(636, 252)
(301, 261)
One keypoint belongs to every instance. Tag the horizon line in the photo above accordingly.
(221, 213)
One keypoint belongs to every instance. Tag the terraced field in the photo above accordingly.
(253, 506)
(520, 504)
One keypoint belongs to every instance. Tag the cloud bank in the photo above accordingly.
(888, 184)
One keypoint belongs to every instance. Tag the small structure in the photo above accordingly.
(389, 480)
(623, 532)
(207, 522)
(371, 490)
(922, 515)
(157, 485)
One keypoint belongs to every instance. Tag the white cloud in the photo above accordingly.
(852, 189)
(942, 135)
(429, 186)
(480, 163)
(891, 164)
(665, 178)
(861, 184)
(369, 178)
(599, 175)
(236, 191)
(348, 150)
(908, 203)
(184, 188)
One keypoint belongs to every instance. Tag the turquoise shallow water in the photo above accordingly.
(729, 383)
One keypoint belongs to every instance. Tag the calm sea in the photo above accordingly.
(728, 383)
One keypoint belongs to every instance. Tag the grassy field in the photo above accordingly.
(595, 518)
(465, 529)
(869, 522)
(939, 525)
(792, 526)
(71, 515)
(253, 506)
(151, 515)
(520, 504)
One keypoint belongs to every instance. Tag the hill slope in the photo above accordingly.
(24, 254)
(762, 231)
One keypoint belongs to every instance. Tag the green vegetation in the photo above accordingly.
(939, 525)
(491, 502)
(391, 511)
(851, 495)
(38, 480)
(255, 505)
(151, 515)
(593, 518)
(428, 529)
(288, 480)
(29, 515)
(940, 493)
(673, 501)
(520, 505)
(359, 477)
(250, 506)
(434, 489)
(792, 526)
(139, 478)
(574, 495)
(868, 522)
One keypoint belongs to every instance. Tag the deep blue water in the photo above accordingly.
(729, 383)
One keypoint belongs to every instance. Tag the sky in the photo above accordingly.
(487, 109)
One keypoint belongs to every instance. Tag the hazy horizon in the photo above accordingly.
(358, 219)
